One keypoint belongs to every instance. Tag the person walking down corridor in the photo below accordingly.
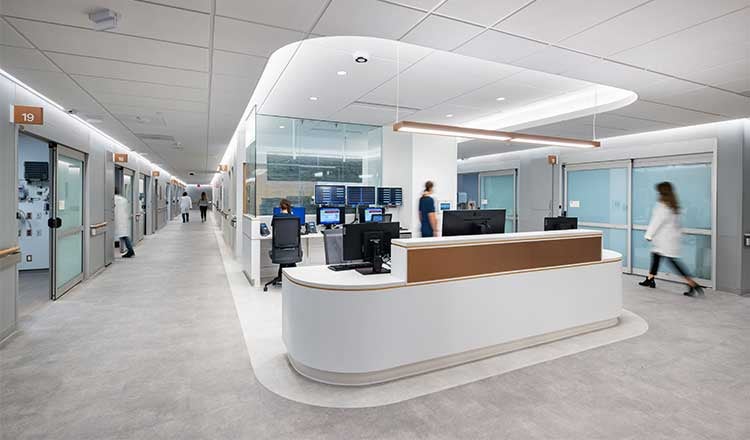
(185, 204)
(664, 234)
(122, 216)
(427, 216)
(203, 206)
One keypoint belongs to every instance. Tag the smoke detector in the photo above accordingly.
(104, 19)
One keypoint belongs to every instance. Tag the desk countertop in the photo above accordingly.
(321, 277)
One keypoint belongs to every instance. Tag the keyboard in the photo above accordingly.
(349, 266)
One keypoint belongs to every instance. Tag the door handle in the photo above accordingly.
(54, 223)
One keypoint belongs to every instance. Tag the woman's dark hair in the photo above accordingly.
(203, 195)
(428, 186)
(667, 196)
(184, 193)
(285, 205)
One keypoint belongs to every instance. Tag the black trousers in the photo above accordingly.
(203, 212)
(656, 259)
(185, 217)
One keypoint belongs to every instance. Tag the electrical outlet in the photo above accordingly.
(28, 232)
(29, 258)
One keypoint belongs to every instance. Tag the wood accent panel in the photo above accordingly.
(439, 263)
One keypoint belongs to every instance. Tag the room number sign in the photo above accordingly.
(24, 114)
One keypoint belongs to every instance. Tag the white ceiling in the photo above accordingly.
(187, 68)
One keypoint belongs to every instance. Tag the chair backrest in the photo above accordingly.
(387, 218)
(286, 243)
(333, 242)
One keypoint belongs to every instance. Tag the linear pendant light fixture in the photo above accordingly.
(492, 135)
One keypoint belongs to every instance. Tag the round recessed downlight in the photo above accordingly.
(341, 73)
(449, 115)
(313, 98)
(500, 99)
(282, 126)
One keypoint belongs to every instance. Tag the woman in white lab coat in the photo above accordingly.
(185, 204)
(122, 231)
(664, 233)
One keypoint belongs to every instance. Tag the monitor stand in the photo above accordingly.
(377, 263)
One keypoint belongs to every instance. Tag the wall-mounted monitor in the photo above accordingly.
(360, 195)
(330, 215)
(332, 195)
(390, 196)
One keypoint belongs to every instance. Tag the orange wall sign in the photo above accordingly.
(155, 173)
(224, 167)
(121, 157)
(24, 114)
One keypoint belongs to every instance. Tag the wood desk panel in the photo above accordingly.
(456, 261)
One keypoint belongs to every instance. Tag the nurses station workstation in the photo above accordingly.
(396, 307)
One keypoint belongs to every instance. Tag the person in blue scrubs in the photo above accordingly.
(427, 211)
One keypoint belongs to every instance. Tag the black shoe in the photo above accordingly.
(129, 255)
(648, 283)
(694, 290)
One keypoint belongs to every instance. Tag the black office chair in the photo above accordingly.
(286, 249)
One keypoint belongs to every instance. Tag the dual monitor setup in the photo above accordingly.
(370, 202)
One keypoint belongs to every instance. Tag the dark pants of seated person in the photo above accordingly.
(126, 240)
(203, 213)
(185, 217)
(656, 258)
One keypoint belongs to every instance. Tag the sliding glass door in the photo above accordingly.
(497, 190)
(598, 196)
(67, 219)
(618, 197)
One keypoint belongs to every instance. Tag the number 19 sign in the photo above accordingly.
(24, 114)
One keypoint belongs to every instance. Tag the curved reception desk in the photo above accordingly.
(447, 301)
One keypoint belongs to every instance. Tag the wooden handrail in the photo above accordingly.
(10, 251)
(98, 225)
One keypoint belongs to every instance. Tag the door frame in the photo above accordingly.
(55, 150)
(506, 172)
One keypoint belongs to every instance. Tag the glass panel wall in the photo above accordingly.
(293, 155)
(69, 182)
(498, 191)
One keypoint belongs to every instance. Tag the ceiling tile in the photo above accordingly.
(229, 63)
(252, 39)
(554, 60)
(734, 76)
(147, 102)
(387, 50)
(484, 12)
(441, 33)
(368, 114)
(665, 87)
(9, 36)
(515, 95)
(107, 45)
(231, 94)
(137, 18)
(134, 88)
(711, 100)
(425, 5)
(290, 14)
(367, 17)
(614, 74)
(554, 20)
(707, 45)
(665, 113)
(500, 47)
(196, 5)
(640, 25)
(82, 65)
(59, 88)
(22, 58)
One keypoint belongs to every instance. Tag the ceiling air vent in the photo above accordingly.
(156, 138)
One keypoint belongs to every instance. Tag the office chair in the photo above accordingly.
(333, 244)
(387, 218)
(286, 249)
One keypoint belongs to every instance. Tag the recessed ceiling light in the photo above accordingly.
(281, 126)
(500, 99)
(341, 73)
(449, 115)
(313, 98)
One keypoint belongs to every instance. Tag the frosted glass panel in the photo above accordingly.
(127, 192)
(696, 254)
(498, 192)
(616, 240)
(509, 226)
(69, 258)
(692, 183)
(599, 195)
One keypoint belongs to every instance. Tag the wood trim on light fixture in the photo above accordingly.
(478, 133)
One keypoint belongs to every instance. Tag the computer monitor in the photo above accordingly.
(390, 196)
(360, 195)
(365, 214)
(358, 240)
(473, 222)
(297, 211)
(330, 195)
(560, 223)
(377, 218)
(330, 215)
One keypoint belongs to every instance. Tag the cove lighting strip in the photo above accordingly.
(82, 121)
(478, 133)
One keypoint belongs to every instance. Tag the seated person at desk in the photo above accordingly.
(286, 208)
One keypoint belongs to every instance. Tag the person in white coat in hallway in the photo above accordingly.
(122, 217)
(185, 204)
(664, 233)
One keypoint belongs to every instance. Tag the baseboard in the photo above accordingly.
(6, 334)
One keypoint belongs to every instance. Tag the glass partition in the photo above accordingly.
(293, 155)
(498, 191)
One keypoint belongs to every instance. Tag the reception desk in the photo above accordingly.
(447, 301)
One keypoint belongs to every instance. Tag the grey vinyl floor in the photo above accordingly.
(33, 290)
(152, 349)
